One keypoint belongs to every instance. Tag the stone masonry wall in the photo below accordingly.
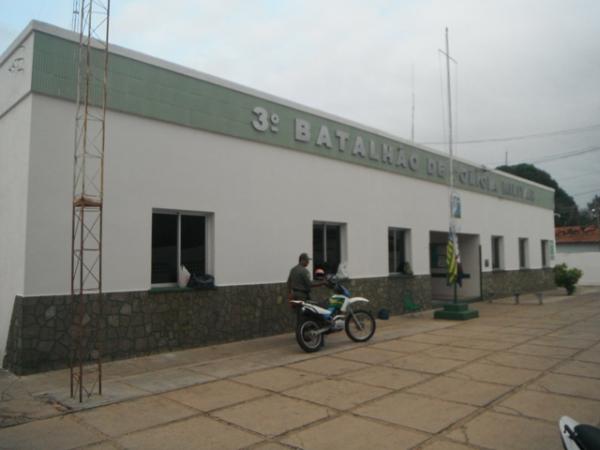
(504, 283)
(140, 323)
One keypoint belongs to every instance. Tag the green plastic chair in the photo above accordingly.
(409, 305)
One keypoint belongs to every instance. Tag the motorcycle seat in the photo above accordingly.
(589, 436)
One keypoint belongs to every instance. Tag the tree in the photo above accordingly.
(565, 208)
(591, 214)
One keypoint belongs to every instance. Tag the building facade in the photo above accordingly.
(580, 247)
(236, 183)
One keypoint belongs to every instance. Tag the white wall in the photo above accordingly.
(15, 74)
(14, 160)
(583, 256)
(15, 114)
(264, 201)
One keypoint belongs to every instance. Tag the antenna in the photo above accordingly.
(88, 196)
(75, 16)
(412, 127)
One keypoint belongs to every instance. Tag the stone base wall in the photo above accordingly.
(140, 323)
(504, 283)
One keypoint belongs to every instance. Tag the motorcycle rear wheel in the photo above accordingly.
(360, 325)
(308, 340)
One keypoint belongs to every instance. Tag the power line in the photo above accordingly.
(557, 156)
(587, 192)
(525, 136)
(569, 154)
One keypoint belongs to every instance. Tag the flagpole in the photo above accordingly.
(451, 152)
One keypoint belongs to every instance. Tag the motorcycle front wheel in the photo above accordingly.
(360, 326)
(308, 339)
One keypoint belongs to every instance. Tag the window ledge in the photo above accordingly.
(400, 275)
(172, 289)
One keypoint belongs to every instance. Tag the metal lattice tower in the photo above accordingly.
(88, 194)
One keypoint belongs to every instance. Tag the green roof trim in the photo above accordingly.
(154, 92)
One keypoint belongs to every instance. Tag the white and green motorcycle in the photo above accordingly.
(343, 313)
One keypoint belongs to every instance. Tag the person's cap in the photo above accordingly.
(304, 257)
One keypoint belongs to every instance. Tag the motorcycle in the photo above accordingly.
(342, 313)
(576, 436)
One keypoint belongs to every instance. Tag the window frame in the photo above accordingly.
(545, 253)
(406, 247)
(208, 250)
(500, 252)
(342, 239)
(523, 253)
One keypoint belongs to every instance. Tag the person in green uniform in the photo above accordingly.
(299, 283)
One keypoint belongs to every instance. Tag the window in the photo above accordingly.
(545, 252)
(177, 239)
(523, 253)
(397, 250)
(327, 247)
(497, 253)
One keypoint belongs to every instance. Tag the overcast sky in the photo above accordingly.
(523, 67)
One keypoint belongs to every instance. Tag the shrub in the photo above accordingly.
(567, 278)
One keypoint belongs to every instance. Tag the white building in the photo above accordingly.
(580, 247)
(245, 182)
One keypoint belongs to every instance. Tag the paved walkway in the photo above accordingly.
(497, 382)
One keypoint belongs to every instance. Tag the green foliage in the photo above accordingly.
(565, 208)
(591, 215)
(567, 278)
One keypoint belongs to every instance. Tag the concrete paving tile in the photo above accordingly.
(512, 338)
(456, 331)
(494, 373)
(427, 338)
(328, 366)
(589, 356)
(506, 432)
(481, 344)
(228, 367)
(445, 444)
(42, 383)
(520, 361)
(579, 368)
(340, 394)
(21, 407)
(214, 395)
(453, 389)
(106, 445)
(278, 379)
(554, 341)
(166, 380)
(424, 363)
(56, 433)
(576, 333)
(458, 353)
(403, 346)
(354, 433)
(273, 415)
(525, 331)
(269, 445)
(192, 434)
(121, 418)
(387, 377)
(544, 350)
(568, 385)
(112, 391)
(421, 413)
(551, 407)
(368, 355)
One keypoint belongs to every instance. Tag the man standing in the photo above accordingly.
(298, 283)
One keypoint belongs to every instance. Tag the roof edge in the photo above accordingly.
(63, 33)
